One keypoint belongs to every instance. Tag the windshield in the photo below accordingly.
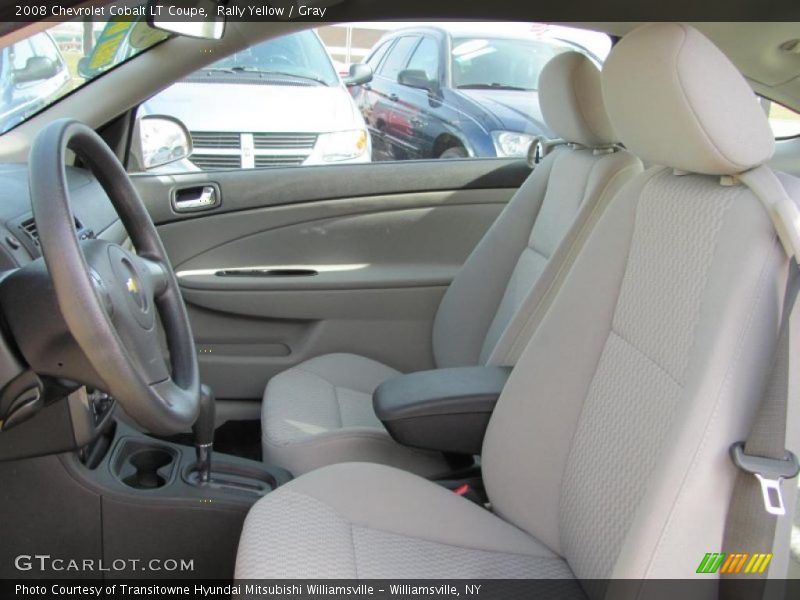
(38, 70)
(503, 64)
(299, 56)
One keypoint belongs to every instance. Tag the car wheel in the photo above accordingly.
(454, 152)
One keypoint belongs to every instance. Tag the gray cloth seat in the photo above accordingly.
(320, 412)
(362, 520)
(607, 454)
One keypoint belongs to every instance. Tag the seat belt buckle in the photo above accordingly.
(770, 473)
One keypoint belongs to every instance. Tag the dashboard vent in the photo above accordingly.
(29, 227)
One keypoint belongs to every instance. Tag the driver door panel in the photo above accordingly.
(297, 263)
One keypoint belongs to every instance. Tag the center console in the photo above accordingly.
(444, 409)
(125, 496)
(128, 463)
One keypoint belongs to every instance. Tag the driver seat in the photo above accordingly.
(607, 453)
(320, 411)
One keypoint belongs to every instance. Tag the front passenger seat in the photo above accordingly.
(607, 454)
(320, 412)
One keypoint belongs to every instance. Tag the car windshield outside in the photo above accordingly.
(38, 70)
(299, 56)
(502, 64)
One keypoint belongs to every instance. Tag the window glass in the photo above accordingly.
(785, 122)
(376, 57)
(20, 53)
(510, 64)
(79, 50)
(298, 58)
(426, 58)
(282, 103)
(44, 46)
(279, 103)
(396, 61)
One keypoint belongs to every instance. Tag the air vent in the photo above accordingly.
(29, 227)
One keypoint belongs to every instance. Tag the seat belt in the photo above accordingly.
(764, 462)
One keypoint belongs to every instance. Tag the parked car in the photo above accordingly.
(283, 104)
(450, 92)
(38, 75)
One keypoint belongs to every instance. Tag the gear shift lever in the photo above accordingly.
(203, 430)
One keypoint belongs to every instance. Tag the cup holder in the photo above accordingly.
(144, 466)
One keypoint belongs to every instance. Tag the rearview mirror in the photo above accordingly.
(359, 75)
(162, 140)
(416, 78)
(36, 68)
(193, 18)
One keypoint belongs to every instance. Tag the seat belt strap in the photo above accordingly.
(764, 462)
(783, 211)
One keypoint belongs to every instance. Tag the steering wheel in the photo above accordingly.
(110, 298)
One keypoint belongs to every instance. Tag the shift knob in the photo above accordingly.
(203, 429)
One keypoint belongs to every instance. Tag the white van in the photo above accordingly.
(279, 103)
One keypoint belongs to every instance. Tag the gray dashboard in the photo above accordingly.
(95, 216)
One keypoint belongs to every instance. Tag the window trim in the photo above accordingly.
(438, 75)
(386, 47)
(407, 57)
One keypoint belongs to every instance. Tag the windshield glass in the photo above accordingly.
(299, 56)
(40, 69)
(503, 64)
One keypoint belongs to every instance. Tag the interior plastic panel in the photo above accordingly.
(358, 259)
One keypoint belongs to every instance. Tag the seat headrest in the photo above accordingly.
(676, 100)
(571, 100)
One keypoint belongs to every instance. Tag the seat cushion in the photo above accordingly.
(320, 412)
(366, 521)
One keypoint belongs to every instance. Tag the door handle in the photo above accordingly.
(196, 198)
(394, 97)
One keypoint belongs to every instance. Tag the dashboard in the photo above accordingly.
(19, 243)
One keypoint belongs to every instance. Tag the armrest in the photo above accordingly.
(444, 409)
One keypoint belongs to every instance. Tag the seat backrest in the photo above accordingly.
(491, 306)
(610, 441)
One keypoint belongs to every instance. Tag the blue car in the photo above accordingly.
(446, 92)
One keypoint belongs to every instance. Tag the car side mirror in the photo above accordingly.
(416, 78)
(161, 140)
(36, 68)
(359, 75)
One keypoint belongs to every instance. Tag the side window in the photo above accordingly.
(375, 60)
(396, 61)
(20, 53)
(44, 46)
(784, 121)
(426, 58)
(290, 101)
(279, 103)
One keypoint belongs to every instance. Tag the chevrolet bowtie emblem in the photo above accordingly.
(132, 286)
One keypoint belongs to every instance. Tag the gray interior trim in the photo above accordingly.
(257, 188)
